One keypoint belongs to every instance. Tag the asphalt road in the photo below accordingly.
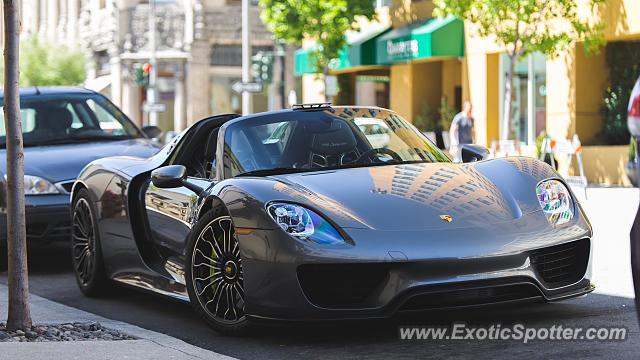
(611, 306)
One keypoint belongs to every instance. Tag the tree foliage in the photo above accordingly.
(526, 26)
(325, 21)
(43, 63)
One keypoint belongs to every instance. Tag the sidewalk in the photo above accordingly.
(611, 212)
(150, 345)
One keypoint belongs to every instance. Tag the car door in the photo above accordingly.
(171, 212)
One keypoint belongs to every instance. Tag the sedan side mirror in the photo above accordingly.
(473, 153)
(151, 131)
(173, 176)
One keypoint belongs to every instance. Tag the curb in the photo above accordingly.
(44, 311)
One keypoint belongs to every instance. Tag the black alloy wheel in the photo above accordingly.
(86, 253)
(215, 276)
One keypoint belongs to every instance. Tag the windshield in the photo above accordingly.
(313, 140)
(69, 119)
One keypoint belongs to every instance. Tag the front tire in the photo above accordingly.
(86, 252)
(214, 274)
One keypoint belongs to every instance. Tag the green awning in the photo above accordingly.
(432, 38)
(304, 62)
(361, 51)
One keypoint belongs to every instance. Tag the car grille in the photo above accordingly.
(476, 294)
(563, 264)
(341, 285)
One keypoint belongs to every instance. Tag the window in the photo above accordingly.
(60, 119)
(28, 120)
(529, 116)
(336, 138)
(231, 55)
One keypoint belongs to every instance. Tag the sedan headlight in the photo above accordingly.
(555, 200)
(304, 224)
(35, 185)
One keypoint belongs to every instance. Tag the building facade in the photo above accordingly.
(415, 62)
(198, 51)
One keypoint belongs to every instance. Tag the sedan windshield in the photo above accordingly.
(70, 119)
(338, 137)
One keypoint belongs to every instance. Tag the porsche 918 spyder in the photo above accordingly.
(298, 215)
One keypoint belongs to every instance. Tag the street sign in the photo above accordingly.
(157, 107)
(251, 87)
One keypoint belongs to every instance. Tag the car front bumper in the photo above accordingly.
(390, 272)
(47, 218)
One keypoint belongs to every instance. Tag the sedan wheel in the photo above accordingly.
(216, 278)
(86, 254)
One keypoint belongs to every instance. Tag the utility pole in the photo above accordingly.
(153, 74)
(246, 57)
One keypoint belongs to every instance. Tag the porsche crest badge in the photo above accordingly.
(446, 217)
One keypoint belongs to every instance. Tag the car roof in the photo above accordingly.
(51, 90)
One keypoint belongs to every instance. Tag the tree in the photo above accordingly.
(50, 64)
(526, 26)
(19, 316)
(325, 21)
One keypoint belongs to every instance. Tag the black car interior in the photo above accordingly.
(198, 152)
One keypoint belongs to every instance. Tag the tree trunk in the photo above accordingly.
(508, 100)
(19, 316)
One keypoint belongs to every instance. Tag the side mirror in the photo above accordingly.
(151, 131)
(173, 176)
(168, 177)
(473, 153)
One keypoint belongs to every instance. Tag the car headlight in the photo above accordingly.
(304, 224)
(556, 202)
(35, 185)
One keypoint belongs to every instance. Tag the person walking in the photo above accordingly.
(461, 131)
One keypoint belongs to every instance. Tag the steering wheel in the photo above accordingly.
(368, 155)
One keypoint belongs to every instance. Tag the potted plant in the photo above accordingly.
(426, 122)
(447, 113)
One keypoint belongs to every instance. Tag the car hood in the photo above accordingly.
(420, 196)
(64, 162)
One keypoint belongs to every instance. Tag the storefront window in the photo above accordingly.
(529, 116)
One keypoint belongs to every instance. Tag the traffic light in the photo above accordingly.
(262, 67)
(141, 74)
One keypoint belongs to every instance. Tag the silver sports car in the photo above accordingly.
(296, 215)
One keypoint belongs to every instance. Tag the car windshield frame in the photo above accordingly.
(397, 126)
(81, 102)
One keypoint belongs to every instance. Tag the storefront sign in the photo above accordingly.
(403, 49)
(441, 37)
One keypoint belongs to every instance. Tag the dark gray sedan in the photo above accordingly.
(299, 215)
(64, 129)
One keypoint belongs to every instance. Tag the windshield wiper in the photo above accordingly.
(274, 171)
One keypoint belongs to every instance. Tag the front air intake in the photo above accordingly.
(563, 264)
(341, 285)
